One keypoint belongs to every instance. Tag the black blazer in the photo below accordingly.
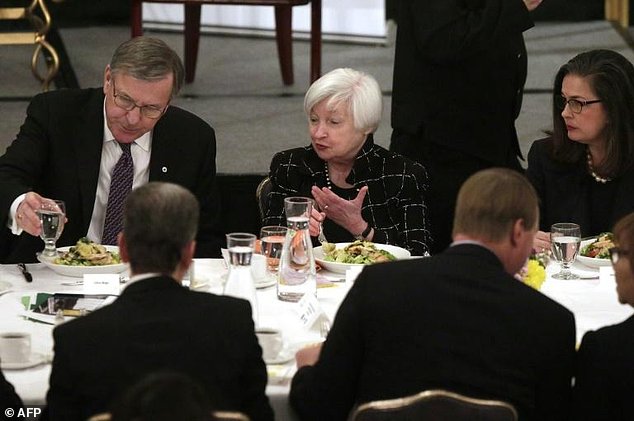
(459, 72)
(565, 192)
(158, 325)
(454, 321)
(605, 374)
(58, 151)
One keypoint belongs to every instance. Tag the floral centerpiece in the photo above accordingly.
(533, 273)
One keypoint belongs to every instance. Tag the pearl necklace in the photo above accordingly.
(328, 183)
(594, 175)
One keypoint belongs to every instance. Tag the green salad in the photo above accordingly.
(88, 253)
(359, 252)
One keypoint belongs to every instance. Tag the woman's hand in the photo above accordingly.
(346, 213)
(541, 242)
(316, 219)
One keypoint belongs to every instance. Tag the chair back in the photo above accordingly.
(217, 416)
(435, 405)
(262, 196)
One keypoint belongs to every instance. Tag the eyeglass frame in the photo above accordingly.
(561, 102)
(616, 253)
(142, 108)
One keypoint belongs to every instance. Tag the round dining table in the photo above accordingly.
(592, 300)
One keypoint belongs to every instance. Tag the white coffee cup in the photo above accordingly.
(271, 342)
(258, 266)
(15, 347)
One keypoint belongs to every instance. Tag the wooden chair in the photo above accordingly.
(262, 196)
(217, 416)
(283, 31)
(28, 22)
(435, 405)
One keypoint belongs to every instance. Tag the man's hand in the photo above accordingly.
(532, 4)
(308, 355)
(25, 215)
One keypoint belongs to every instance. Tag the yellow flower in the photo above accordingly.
(535, 274)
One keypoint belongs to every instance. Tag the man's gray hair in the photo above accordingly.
(159, 220)
(358, 91)
(148, 59)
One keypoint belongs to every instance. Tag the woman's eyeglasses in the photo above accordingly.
(575, 105)
(616, 253)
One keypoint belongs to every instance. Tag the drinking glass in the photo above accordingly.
(52, 214)
(272, 240)
(565, 239)
(240, 282)
(297, 265)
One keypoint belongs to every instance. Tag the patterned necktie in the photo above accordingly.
(120, 186)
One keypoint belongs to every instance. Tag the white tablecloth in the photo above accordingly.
(593, 301)
(32, 383)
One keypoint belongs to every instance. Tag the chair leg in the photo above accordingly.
(136, 18)
(315, 40)
(283, 33)
(192, 36)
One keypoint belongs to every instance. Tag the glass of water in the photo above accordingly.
(52, 214)
(565, 239)
(272, 240)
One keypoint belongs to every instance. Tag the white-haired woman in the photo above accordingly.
(361, 190)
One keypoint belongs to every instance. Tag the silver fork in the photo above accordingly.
(321, 237)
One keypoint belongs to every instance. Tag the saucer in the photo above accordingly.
(34, 359)
(265, 282)
(283, 357)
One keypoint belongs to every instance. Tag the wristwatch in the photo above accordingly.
(364, 234)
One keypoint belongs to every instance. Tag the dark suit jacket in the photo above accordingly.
(8, 398)
(57, 154)
(459, 71)
(454, 321)
(565, 192)
(605, 374)
(158, 325)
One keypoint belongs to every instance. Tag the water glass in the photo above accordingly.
(52, 214)
(566, 240)
(240, 281)
(272, 240)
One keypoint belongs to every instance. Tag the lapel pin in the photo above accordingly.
(164, 169)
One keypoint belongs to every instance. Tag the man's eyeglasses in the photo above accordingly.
(616, 253)
(575, 105)
(126, 103)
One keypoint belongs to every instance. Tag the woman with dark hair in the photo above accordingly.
(605, 367)
(583, 172)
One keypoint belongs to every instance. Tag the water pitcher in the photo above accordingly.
(296, 275)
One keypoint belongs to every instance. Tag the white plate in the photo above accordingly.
(592, 262)
(5, 287)
(79, 271)
(283, 357)
(398, 252)
(265, 282)
(34, 359)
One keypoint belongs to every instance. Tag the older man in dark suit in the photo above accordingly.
(156, 324)
(458, 320)
(83, 146)
(459, 72)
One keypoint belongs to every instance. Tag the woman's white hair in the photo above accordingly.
(358, 90)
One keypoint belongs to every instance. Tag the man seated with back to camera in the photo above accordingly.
(156, 324)
(458, 320)
(82, 146)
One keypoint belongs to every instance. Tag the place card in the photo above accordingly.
(102, 283)
(308, 309)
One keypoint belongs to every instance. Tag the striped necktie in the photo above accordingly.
(120, 186)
